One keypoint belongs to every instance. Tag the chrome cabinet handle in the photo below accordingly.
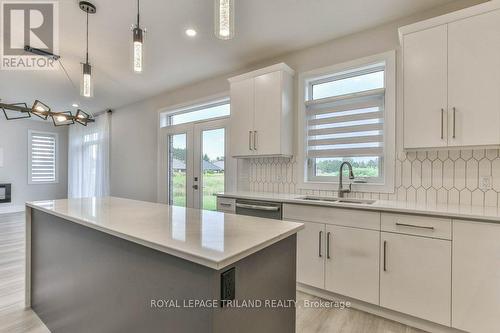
(319, 249)
(454, 122)
(250, 140)
(385, 256)
(442, 124)
(414, 226)
(254, 140)
(257, 207)
(328, 245)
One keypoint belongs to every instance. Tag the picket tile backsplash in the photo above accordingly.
(445, 176)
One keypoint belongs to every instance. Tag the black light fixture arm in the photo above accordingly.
(18, 108)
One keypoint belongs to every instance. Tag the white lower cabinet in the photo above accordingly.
(310, 255)
(415, 276)
(352, 262)
(476, 276)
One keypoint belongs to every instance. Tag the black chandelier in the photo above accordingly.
(43, 111)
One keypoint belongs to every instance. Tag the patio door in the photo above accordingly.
(193, 163)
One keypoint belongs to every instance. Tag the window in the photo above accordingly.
(349, 116)
(42, 157)
(214, 109)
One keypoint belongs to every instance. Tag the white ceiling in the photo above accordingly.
(264, 29)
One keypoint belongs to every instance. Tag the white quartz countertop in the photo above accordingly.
(465, 212)
(212, 239)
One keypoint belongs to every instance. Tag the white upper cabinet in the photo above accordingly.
(451, 79)
(425, 85)
(261, 112)
(474, 80)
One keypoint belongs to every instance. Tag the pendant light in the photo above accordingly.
(86, 88)
(224, 19)
(138, 41)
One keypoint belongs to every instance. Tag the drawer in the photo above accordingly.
(226, 205)
(417, 225)
(337, 216)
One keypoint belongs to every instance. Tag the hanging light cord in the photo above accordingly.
(87, 55)
(138, 9)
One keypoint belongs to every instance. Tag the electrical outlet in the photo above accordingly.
(485, 183)
(228, 286)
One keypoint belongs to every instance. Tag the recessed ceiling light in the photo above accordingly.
(191, 32)
(74, 105)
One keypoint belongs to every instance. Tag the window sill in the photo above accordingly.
(356, 187)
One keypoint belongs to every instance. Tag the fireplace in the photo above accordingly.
(5, 193)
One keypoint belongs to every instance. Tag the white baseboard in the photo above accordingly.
(11, 209)
(379, 311)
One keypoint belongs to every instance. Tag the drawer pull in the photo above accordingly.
(225, 204)
(414, 226)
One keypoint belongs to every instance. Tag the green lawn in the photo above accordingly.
(213, 183)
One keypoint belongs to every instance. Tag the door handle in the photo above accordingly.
(250, 140)
(454, 122)
(442, 123)
(320, 237)
(195, 187)
(254, 140)
(385, 256)
(328, 245)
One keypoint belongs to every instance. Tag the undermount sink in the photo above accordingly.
(337, 200)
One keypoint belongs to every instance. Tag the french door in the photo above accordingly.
(193, 163)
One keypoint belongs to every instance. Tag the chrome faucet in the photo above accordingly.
(342, 190)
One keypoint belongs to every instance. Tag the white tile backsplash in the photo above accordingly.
(434, 177)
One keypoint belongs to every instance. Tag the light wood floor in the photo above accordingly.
(15, 319)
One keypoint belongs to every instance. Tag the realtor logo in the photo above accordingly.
(33, 24)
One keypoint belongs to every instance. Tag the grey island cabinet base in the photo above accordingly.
(83, 280)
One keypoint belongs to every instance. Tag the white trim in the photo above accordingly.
(194, 103)
(389, 58)
(274, 68)
(56, 173)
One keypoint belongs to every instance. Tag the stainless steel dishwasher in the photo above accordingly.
(269, 210)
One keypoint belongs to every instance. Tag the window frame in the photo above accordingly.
(305, 174)
(164, 115)
(56, 158)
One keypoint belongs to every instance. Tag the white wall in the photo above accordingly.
(14, 141)
(134, 133)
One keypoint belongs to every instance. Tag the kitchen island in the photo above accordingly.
(120, 265)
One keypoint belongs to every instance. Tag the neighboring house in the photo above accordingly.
(220, 164)
(179, 165)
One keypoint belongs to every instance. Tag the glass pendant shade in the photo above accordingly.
(40, 110)
(15, 114)
(86, 88)
(224, 19)
(62, 118)
(138, 49)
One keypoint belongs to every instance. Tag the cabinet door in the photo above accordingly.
(415, 276)
(242, 118)
(352, 262)
(311, 254)
(425, 88)
(268, 113)
(474, 80)
(476, 276)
